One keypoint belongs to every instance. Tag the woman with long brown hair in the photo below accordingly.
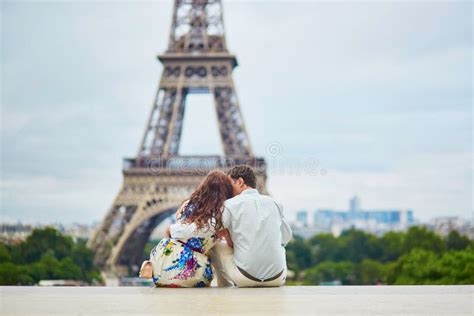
(182, 259)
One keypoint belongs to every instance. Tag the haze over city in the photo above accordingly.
(368, 99)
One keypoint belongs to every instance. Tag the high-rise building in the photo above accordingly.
(354, 204)
(302, 217)
(376, 221)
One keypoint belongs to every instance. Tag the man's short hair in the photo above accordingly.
(244, 172)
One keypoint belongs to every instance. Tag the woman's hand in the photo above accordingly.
(181, 209)
(168, 234)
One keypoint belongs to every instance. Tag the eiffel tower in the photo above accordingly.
(158, 179)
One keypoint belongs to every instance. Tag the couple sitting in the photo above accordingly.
(225, 223)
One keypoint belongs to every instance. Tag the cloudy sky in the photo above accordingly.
(358, 98)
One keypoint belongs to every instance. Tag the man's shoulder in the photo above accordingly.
(234, 201)
(240, 199)
(263, 197)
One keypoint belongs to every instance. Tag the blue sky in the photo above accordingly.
(368, 98)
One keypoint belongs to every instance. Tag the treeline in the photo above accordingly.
(417, 256)
(47, 255)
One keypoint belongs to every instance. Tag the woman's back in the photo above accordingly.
(183, 259)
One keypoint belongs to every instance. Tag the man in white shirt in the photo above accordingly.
(256, 234)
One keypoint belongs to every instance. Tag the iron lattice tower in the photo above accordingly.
(158, 179)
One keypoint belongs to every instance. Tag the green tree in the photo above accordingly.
(413, 268)
(427, 267)
(12, 274)
(369, 272)
(4, 253)
(329, 271)
(47, 254)
(42, 240)
(300, 251)
(422, 238)
(83, 258)
(68, 270)
(457, 267)
(325, 247)
(455, 241)
(359, 245)
(392, 245)
(418, 256)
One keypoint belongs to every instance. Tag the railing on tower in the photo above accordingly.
(191, 163)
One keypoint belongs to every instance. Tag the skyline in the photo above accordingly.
(367, 99)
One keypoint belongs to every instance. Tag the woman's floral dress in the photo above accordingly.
(183, 260)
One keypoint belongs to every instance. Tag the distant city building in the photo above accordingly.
(354, 204)
(373, 221)
(77, 231)
(302, 218)
(11, 233)
(445, 224)
(307, 232)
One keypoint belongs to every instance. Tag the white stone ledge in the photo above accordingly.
(298, 300)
